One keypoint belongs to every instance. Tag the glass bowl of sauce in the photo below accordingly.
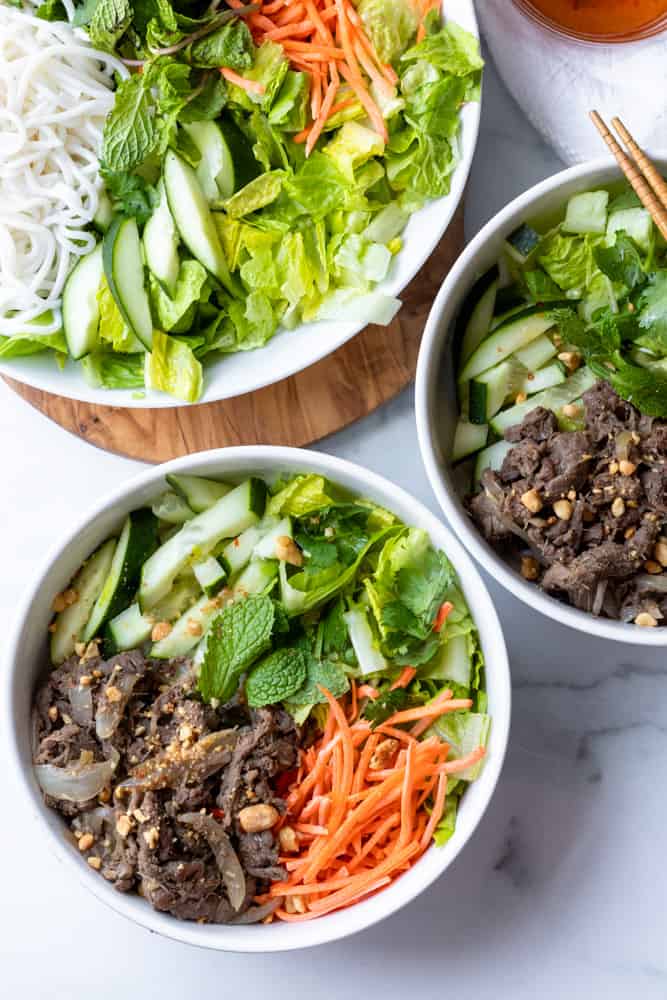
(599, 20)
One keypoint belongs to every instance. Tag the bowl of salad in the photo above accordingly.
(258, 699)
(542, 403)
(256, 177)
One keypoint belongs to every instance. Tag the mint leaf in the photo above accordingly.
(236, 638)
(231, 46)
(131, 194)
(208, 102)
(109, 22)
(276, 677)
(130, 133)
(50, 10)
(84, 13)
(621, 262)
(325, 674)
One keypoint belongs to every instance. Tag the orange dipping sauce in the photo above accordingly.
(602, 18)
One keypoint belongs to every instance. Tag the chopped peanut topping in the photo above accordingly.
(571, 410)
(660, 552)
(288, 839)
(95, 863)
(160, 631)
(530, 568)
(288, 551)
(618, 507)
(532, 501)
(563, 510)
(652, 567)
(123, 826)
(65, 599)
(645, 620)
(570, 359)
(53, 713)
(383, 755)
(256, 819)
(193, 627)
(152, 837)
(627, 468)
(521, 397)
(86, 842)
(113, 694)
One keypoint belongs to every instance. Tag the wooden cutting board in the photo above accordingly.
(367, 371)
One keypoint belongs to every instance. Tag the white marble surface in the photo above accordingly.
(561, 892)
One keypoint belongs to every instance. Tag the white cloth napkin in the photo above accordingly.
(557, 81)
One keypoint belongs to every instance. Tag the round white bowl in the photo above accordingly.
(289, 351)
(436, 404)
(27, 657)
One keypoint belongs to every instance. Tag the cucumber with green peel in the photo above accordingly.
(215, 157)
(128, 630)
(199, 493)
(258, 577)
(551, 399)
(266, 546)
(492, 388)
(238, 553)
(138, 541)
(182, 595)
(474, 319)
(244, 166)
(228, 517)
(545, 378)
(210, 575)
(510, 299)
(186, 633)
(104, 213)
(636, 223)
(81, 310)
(536, 354)
(124, 271)
(160, 242)
(69, 625)
(521, 243)
(587, 213)
(490, 458)
(190, 212)
(172, 508)
(511, 336)
(468, 438)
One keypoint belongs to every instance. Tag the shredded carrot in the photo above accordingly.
(360, 829)
(251, 86)
(368, 691)
(443, 614)
(407, 675)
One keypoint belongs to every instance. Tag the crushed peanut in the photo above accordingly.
(572, 495)
(193, 627)
(618, 507)
(65, 599)
(95, 862)
(53, 713)
(113, 694)
(85, 680)
(571, 360)
(652, 567)
(383, 755)
(520, 397)
(91, 651)
(140, 816)
(530, 568)
(613, 468)
(185, 733)
(288, 551)
(256, 819)
(660, 552)
(123, 826)
(104, 796)
(532, 501)
(627, 468)
(152, 836)
(86, 841)
(645, 620)
(629, 533)
(563, 510)
(79, 648)
(160, 631)
(571, 410)
(288, 839)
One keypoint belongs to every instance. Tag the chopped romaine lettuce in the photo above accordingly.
(172, 367)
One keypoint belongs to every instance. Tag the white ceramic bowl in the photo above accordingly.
(27, 656)
(289, 351)
(436, 396)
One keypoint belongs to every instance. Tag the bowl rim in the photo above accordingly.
(283, 937)
(428, 366)
(260, 375)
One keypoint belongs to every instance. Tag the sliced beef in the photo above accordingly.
(585, 508)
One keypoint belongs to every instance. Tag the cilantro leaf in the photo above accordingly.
(421, 588)
(333, 631)
(130, 131)
(379, 710)
(645, 389)
(110, 20)
(325, 674)
(621, 262)
(276, 677)
(653, 314)
(236, 638)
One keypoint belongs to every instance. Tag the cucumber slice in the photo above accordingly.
(187, 631)
(128, 630)
(210, 575)
(572, 423)
(238, 553)
(199, 493)
(476, 313)
(510, 299)
(81, 311)
(259, 576)
(451, 663)
(183, 594)
(161, 241)
(587, 213)
(468, 438)
(506, 339)
(369, 657)
(520, 244)
(245, 166)
(138, 540)
(124, 270)
(193, 218)
(104, 215)
(636, 222)
(231, 514)
(490, 458)
(545, 378)
(489, 390)
(537, 353)
(551, 399)
(88, 583)
(215, 157)
(172, 508)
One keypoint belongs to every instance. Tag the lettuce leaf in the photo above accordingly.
(569, 261)
(390, 24)
(172, 367)
(112, 329)
(114, 371)
(176, 314)
(452, 50)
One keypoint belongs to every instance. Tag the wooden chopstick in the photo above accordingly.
(649, 186)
